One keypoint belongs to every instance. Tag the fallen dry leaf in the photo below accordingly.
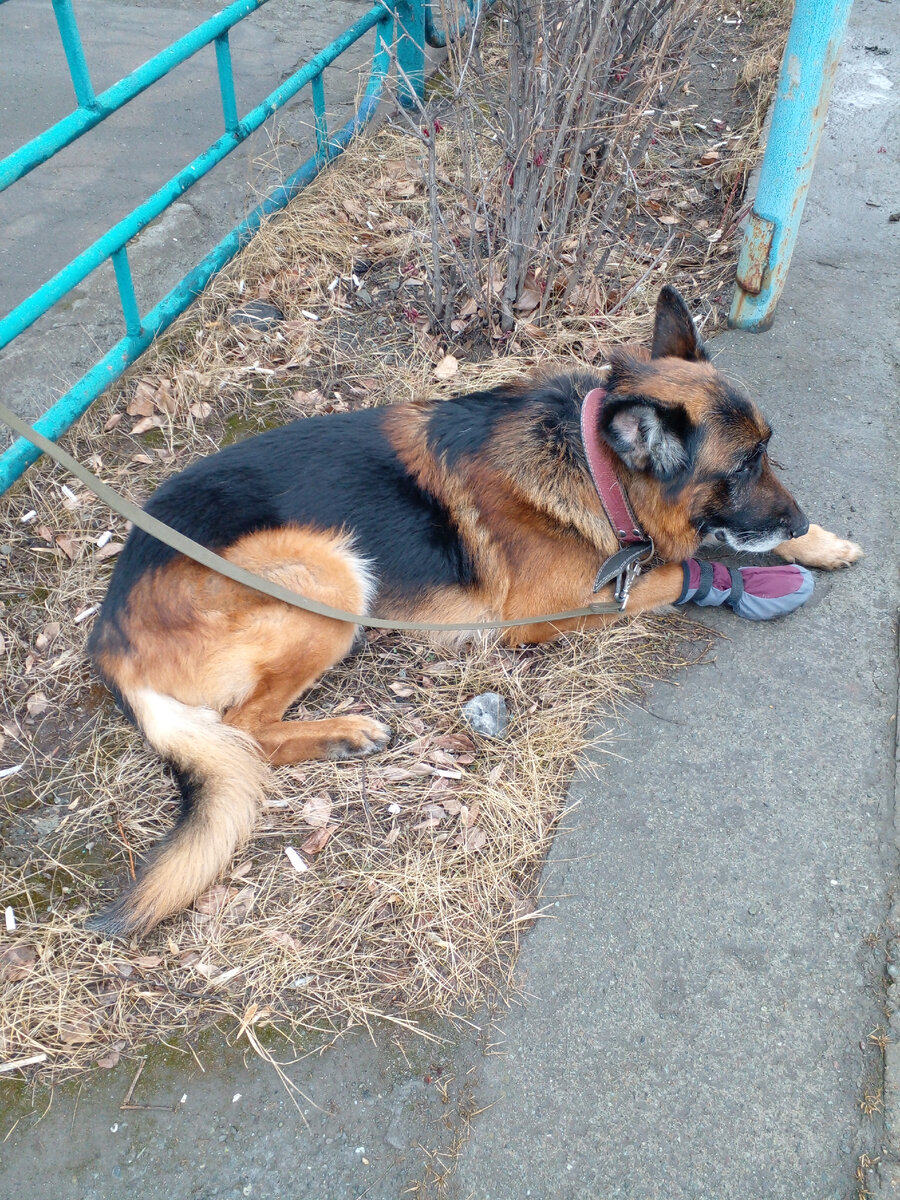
(282, 938)
(108, 551)
(403, 188)
(201, 410)
(165, 399)
(109, 1060)
(454, 741)
(112, 422)
(446, 368)
(353, 209)
(472, 839)
(403, 690)
(318, 841)
(16, 962)
(214, 900)
(392, 775)
(37, 703)
(241, 904)
(316, 812)
(70, 548)
(48, 634)
(313, 397)
(529, 297)
(146, 423)
(709, 157)
(141, 404)
(75, 1033)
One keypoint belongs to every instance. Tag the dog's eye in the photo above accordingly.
(749, 467)
(743, 471)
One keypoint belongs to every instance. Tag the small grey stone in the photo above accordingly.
(6, 550)
(487, 714)
(257, 313)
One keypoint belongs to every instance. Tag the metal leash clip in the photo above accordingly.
(624, 582)
(623, 568)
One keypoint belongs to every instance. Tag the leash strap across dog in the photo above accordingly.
(215, 562)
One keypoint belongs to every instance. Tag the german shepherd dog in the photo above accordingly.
(476, 509)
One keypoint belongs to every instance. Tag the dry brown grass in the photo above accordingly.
(415, 903)
(401, 912)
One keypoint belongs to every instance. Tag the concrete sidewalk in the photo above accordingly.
(699, 1009)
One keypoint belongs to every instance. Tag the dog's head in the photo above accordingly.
(671, 417)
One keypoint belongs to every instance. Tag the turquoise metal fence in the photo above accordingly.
(404, 26)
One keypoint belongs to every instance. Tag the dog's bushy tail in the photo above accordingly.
(222, 778)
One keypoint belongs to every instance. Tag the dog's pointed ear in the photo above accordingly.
(674, 332)
(654, 438)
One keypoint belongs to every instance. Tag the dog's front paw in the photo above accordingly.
(350, 737)
(821, 549)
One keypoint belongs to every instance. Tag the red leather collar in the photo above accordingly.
(601, 462)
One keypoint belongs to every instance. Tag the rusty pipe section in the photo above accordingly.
(798, 118)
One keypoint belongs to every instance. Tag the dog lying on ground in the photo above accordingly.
(478, 508)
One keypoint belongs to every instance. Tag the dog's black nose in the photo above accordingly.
(799, 525)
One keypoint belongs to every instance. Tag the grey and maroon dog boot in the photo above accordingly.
(755, 593)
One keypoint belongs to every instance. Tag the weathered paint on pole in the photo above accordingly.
(410, 18)
(798, 118)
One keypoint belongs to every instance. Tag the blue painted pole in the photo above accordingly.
(226, 82)
(798, 118)
(411, 52)
(439, 38)
(74, 51)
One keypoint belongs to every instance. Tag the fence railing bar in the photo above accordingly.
(58, 419)
(34, 307)
(226, 82)
(318, 95)
(74, 52)
(65, 131)
(125, 284)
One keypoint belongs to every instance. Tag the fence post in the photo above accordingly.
(410, 24)
(798, 118)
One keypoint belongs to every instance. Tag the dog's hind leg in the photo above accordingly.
(290, 649)
(192, 646)
(289, 656)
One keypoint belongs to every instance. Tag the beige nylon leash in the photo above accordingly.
(214, 562)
